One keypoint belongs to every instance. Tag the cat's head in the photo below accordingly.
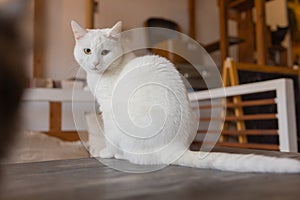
(97, 50)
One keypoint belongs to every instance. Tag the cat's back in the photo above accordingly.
(148, 82)
(153, 79)
(150, 92)
(153, 67)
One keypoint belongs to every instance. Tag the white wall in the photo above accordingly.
(59, 62)
(207, 29)
(135, 12)
(207, 18)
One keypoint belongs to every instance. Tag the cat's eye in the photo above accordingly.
(87, 51)
(104, 52)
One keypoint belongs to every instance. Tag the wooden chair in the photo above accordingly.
(284, 117)
(254, 34)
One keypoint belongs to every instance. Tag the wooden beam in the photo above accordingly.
(242, 118)
(261, 32)
(70, 136)
(262, 102)
(192, 19)
(233, 77)
(246, 30)
(273, 147)
(243, 132)
(89, 13)
(223, 7)
(267, 69)
(241, 5)
(55, 117)
(38, 38)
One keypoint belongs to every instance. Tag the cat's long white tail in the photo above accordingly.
(238, 162)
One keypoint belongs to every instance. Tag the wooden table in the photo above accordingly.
(89, 179)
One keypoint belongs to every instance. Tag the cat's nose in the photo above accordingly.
(96, 63)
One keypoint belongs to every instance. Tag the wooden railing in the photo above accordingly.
(284, 115)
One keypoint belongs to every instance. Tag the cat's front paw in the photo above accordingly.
(104, 153)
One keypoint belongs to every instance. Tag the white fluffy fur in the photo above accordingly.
(146, 112)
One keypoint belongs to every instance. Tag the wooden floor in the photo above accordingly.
(89, 179)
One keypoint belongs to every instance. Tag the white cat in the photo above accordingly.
(146, 112)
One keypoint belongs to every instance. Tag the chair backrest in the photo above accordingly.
(279, 108)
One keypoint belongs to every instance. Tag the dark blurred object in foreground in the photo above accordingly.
(12, 75)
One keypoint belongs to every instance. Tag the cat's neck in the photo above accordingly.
(106, 80)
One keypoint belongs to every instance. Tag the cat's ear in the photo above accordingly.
(78, 31)
(115, 30)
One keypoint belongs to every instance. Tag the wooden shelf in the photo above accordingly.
(254, 33)
(241, 5)
(267, 69)
(214, 46)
